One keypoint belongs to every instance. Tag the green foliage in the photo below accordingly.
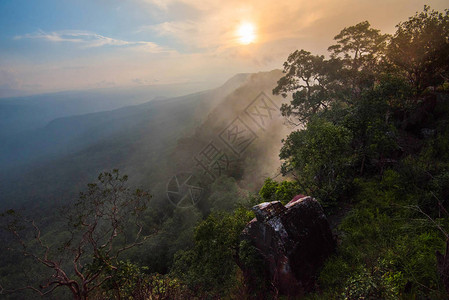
(370, 284)
(305, 76)
(285, 191)
(420, 50)
(320, 156)
(175, 233)
(249, 257)
(165, 287)
(268, 190)
(353, 105)
(317, 84)
(104, 222)
(252, 262)
(122, 281)
(360, 49)
(369, 139)
(225, 194)
(374, 136)
(275, 191)
(209, 267)
(359, 46)
(387, 250)
(129, 281)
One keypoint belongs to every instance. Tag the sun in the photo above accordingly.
(246, 33)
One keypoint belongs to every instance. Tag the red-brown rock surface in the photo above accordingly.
(292, 241)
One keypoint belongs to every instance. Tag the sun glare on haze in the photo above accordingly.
(246, 33)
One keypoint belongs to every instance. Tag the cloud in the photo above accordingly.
(163, 4)
(312, 24)
(196, 40)
(8, 79)
(142, 81)
(88, 39)
(215, 25)
(105, 84)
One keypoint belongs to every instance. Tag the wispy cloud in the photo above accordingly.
(172, 40)
(215, 25)
(88, 39)
(163, 4)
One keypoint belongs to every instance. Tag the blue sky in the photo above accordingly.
(53, 45)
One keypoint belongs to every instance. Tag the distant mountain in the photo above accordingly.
(247, 127)
(151, 142)
(47, 163)
(21, 114)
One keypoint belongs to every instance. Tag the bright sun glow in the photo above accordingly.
(246, 33)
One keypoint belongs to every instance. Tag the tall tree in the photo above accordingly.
(318, 155)
(316, 83)
(361, 49)
(359, 46)
(420, 48)
(311, 80)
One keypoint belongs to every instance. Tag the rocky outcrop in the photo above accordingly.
(292, 242)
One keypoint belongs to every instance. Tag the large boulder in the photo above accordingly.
(291, 241)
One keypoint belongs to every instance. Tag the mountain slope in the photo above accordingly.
(57, 160)
(21, 114)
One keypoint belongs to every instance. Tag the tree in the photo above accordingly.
(319, 156)
(209, 268)
(317, 84)
(103, 223)
(359, 46)
(225, 194)
(361, 49)
(378, 145)
(275, 191)
(311, 80)
(420, 48)
(371, 122)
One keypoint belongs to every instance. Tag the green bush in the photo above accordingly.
(275, 191)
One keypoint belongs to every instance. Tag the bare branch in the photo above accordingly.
(438, 226)
(96, 220)
(441, 206)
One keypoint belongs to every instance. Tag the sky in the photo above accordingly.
(56, 45)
